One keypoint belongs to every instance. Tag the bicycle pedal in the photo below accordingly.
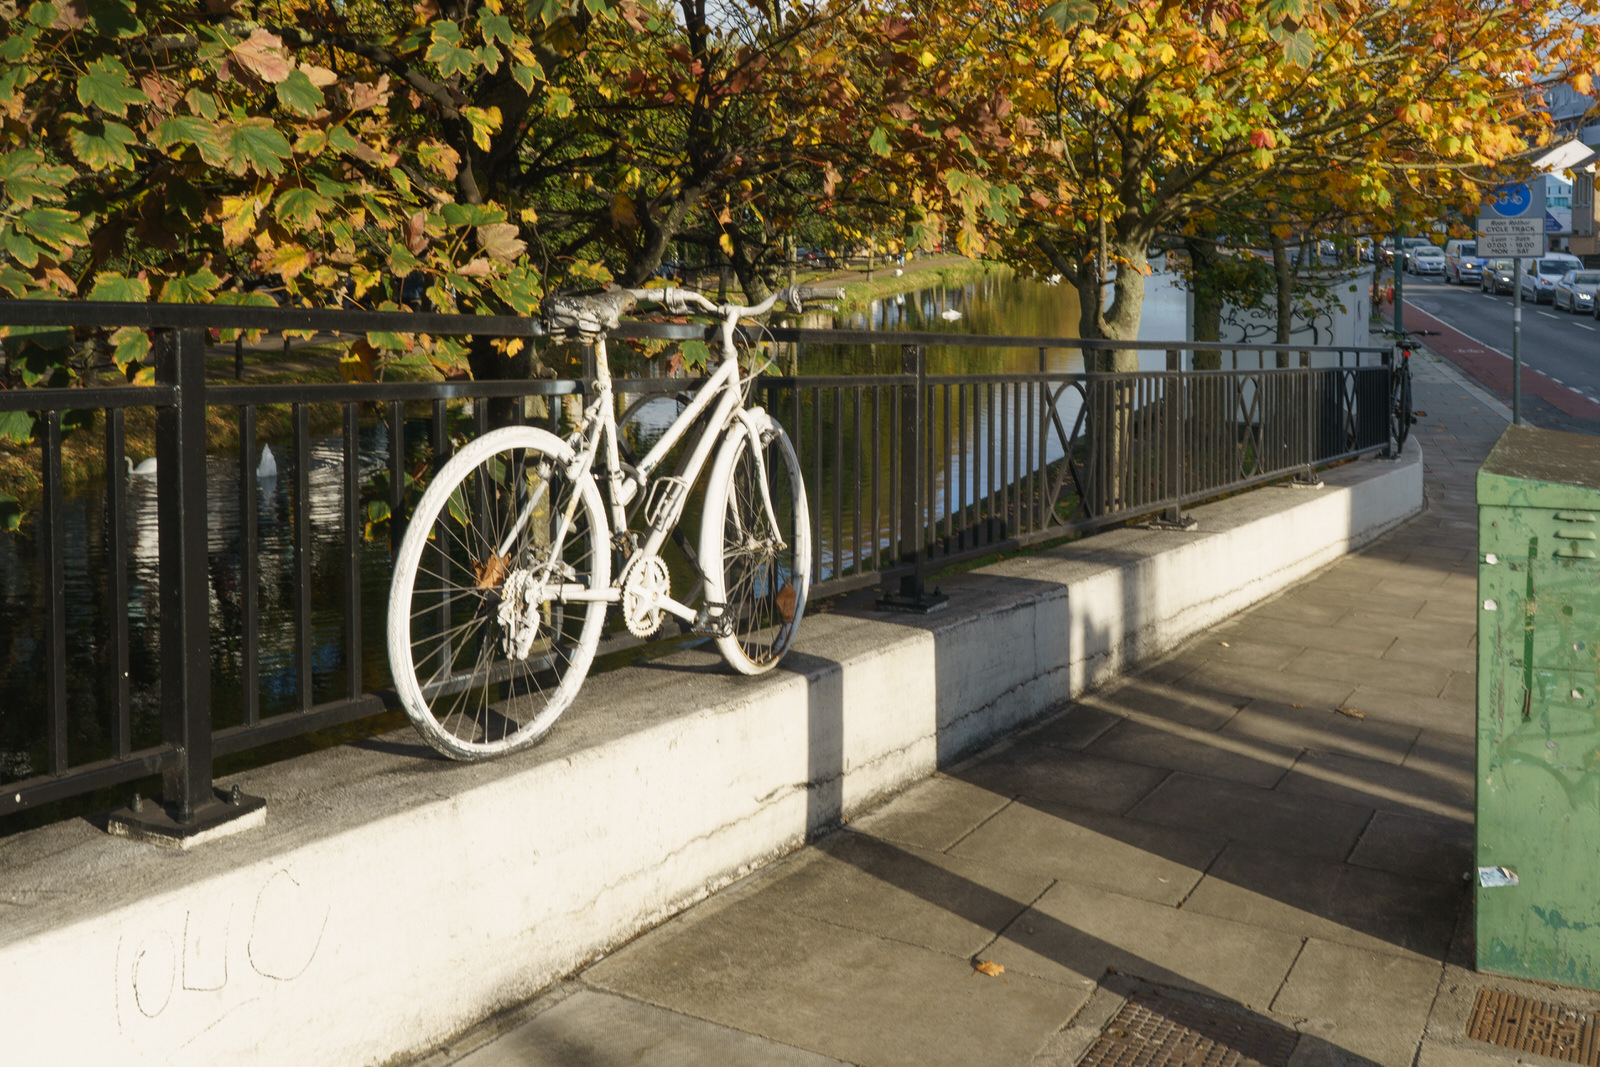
(713, 621)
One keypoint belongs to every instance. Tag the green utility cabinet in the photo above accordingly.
(1537, 878)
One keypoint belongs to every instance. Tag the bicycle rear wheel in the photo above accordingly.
(760, 575)
(486, 645)
(1400, 416)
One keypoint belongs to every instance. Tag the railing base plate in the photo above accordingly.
(222, 817)
(1182, 524)
(919, 605)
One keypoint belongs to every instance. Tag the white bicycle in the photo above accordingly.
(504, 577)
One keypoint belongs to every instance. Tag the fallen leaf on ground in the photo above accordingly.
(1351, 712)
(1226, 645)
(990, 968)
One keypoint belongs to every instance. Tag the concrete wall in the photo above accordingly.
(393, 898)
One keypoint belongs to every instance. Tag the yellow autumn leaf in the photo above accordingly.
(990, 968)
(725, 243)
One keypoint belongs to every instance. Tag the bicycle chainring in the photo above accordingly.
(644, 583)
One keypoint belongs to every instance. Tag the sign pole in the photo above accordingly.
(1516, 342)
(1399, 286)
(1511, 223)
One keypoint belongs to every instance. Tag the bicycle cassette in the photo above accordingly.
(645, 582)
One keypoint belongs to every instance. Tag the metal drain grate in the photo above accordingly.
(1152, 1031)
(1515, 1022)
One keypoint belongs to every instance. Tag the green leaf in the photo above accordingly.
(878, 142)
(193, 288)
(298, 94)
(202, 104)
(19, 48)
(14, 281)
(17, 246)
(1069, 13)
(25, 178)
(116, 287)
(545, 11)
(496, 28)
(15, 426)
(488, 58)
(10, 510)
(256, 144)
(301, 208)
(129, 345)
(102, 144)
(526, 76)
(445, 50)
(695, 354)
(558, 103)
(471, 214)
(57, 228)
(114, 18)
(393, 341)
(108, 86)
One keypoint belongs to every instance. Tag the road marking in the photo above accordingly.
(1548, 315)
(1581, 326)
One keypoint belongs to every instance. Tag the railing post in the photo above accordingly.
(191, 806)
(913, 594)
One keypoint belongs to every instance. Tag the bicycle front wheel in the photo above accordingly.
(489, 632)
(756, 554)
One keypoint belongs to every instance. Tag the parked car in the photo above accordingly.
(1461, 262)
(1496, 276)
(1539, 276)
(1574, 291)
(1427, 259)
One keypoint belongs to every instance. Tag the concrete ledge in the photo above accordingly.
(393, 898)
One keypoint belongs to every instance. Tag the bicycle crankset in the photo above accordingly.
(644, 584)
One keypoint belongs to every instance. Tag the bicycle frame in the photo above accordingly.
(598, 428)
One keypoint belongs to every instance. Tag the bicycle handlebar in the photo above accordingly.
(588, 315)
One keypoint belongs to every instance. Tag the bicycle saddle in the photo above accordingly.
(584, 316)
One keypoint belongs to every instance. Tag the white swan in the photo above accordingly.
(146, 469)
(268, 467)
(949, 314)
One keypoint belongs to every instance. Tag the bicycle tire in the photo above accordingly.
(1400, 417)
(760, 580)
(479, 672)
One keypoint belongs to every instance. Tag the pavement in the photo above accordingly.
(1264, 837)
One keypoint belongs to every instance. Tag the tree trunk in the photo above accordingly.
(1285, 274)
(1110, 401)
(1204, 258)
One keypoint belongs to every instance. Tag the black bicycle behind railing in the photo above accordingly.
(1402, 414)
(153, 621)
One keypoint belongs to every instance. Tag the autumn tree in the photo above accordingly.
(1154, 112)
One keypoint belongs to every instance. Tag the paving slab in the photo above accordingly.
(1177, 702)
(1273, 724)
(1369, 909)
(1418, 846)
(1308, 825)
(1078, 931)
(1139, 859)
(933, 814)
(1352, 640)
(1241, 684)
(1369, 1004)
(951, 904)
(1075, 727)
(1443, 714)
(591, 1029)
(1043, 772)
(1408, 649)
(867, 1000)
(1154, 743)
(1428, 788)
(1415, 678)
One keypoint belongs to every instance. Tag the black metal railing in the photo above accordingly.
(241, 602)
